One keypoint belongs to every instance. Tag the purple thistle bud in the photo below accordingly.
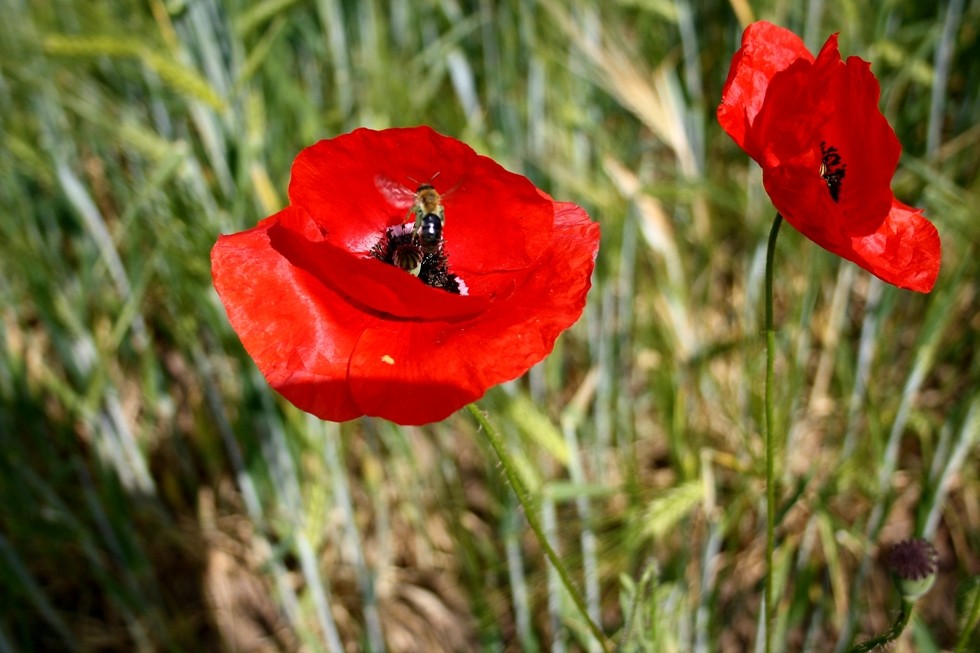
(913, 564)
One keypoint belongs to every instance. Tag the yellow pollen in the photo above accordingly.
(387, 359)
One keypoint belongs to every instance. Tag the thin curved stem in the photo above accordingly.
(530, 513)
(770, 600)
(889, 635)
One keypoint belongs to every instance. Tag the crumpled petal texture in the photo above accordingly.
(766, 50)
(827, 153)
(341, 334)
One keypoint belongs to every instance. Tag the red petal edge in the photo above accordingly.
(299, 332)
(905, 251)
(766, 50)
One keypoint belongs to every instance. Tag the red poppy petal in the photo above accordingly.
(415, 373)
(905, 251)
(766, 50)
(299, 332)
(358, 184)
(867, 143)
(369, 284)
(495, 222)
(827, 113)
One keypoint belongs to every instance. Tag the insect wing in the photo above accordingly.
(397, 194)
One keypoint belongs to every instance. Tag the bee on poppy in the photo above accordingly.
(423, 247)
(430, 218)
(417, 245)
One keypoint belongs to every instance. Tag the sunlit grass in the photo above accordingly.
(157, 494)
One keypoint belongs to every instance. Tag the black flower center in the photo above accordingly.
(401, 247)
(832, 169)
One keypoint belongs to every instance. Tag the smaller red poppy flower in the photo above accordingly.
(827, 153)
(408, 275)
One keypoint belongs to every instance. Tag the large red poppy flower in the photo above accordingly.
(352, 304)
(827, 153)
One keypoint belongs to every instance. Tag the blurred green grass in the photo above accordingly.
(158, 496)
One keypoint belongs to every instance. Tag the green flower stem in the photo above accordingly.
(770, 600)
(530, 513)
(889, 635)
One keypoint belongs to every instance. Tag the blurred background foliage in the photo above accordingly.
(156, 495)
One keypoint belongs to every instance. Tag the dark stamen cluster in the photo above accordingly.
(397, 243)
(832, 169)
